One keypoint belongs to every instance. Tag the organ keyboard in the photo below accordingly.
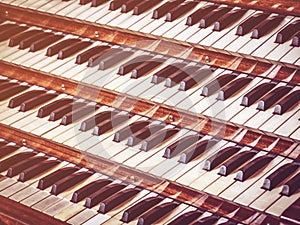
(149, 112)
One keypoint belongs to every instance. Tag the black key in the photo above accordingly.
(69, 182)
(213, 16)
(272, 97)
(98, 118)
(19, 167)
(11, 91)
(266, 26)
(228, 19)
(166, 72)
(2, 143)
(180, 10)
(286, 33)
(292, 186)
(14, 41)
(37, 169)
(8, 87)
(73, 49)
(52, 178)
(256, 93)
(85, 56)
(105, 126)
(233, 87)
(96, 3)
(89, 189)
(144, 133)
(296, 40)
(16, 101)
(194, 79)
(157, 213)
(8, 84)
(179, 75)
(54, 49)
(113, 58)
(8, 33)
(181, 145)
(217, 84)
(235, 162)
(116, 4)
(220, 157)
(279, 175)
(117, 199)
(8, 162)
(77, 114)
(253, 167)
(199, 14)
(196, 150)
(129, 130)
(145, 6)
(158, 138)
(7, 149)
(165, 8)
(139, 208)
(291, 214)
(84, 2)
(60, 112)
(209, 220)
(250, 23)
(145, 68)
(34, 102)
(44, 42)
(129, 5)
(47, 109)
(26, 43)
(186, 218)
(8, 26)
(228, 223)
(102, 194)
(130, 65)
(287, 103)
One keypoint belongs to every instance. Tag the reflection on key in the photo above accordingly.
(34, 102)
(72, 49)
(249, 24)
(116, 4)
(108, 125)
(165, 8)
(286, 33)
(194, 79)
(14, 41)
(233, 87)
(131, 129)
(145, 6)
(16, 101)
(180, 10)
(144, 133)
(292, 186)
(85, 56)
(44, 42)
(186, 218)
(7, 149)
(129, 66)
(8, 162)
(179, 75)
(26, 43)
(296, 40)
(287, 103)
(228, 19)
(199, 14)
(166, 72)
(54, 49)
(145, 68)
(129, 5)
(47, 109)
(216, 84)
(212, 17)
(96, 3)
(267, 26)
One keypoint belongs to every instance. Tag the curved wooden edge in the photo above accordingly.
(14, 213)
(172, 47)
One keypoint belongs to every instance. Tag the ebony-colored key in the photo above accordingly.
(291, 214)
(47, 109)
(34, 102)
(116, 4)
(145, 6)
(7, 149)
(113, 58)
(158, 138)
(180, 145)
(73, 49)
(11, 91)
(157, 213)
(102, 194)
(272, 97)
(85, 56)
(287, 103)
(213, 16)
(89, 189)
(52, 178)
(256, 93)
(186, 218)
(145, 68)
(220, 157)
(209, 220)
(14, 41)
(166, 72)
(37, 169)
(54, 49)
(26, 43)
(233, 87)
(117, 199)
(165, 8)
(129, 5)
(17, 101)
(193, 79)
(106, 126)
(8, 33)
(129, 130)
(228, 19)
(68, 182)
(96, 3)
(77, 114)
(292, 186)
(8, 84)
(84, 2)
(266, 26)
(287, 33)
(250, 23)
(44, 42)
(199, 14)
(196, 150)
(179, 75)
(60, 112)
(279, 175)
(8, 162)
(235, 162)
(217, 84)
(180, 10)
(140, 208)
(98, 118)
(19, 167)
(130, 65)
(296, 40)
(253, 167)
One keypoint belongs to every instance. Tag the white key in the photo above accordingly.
(292, 56)
(101, 12)
(98, 219)
(58, 7)
(17, 2)
(32, 4)
(290, 125)
(73, 6)
(109, 16)
(296, 134)
(94, 12)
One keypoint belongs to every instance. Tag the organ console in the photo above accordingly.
(149, 112)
